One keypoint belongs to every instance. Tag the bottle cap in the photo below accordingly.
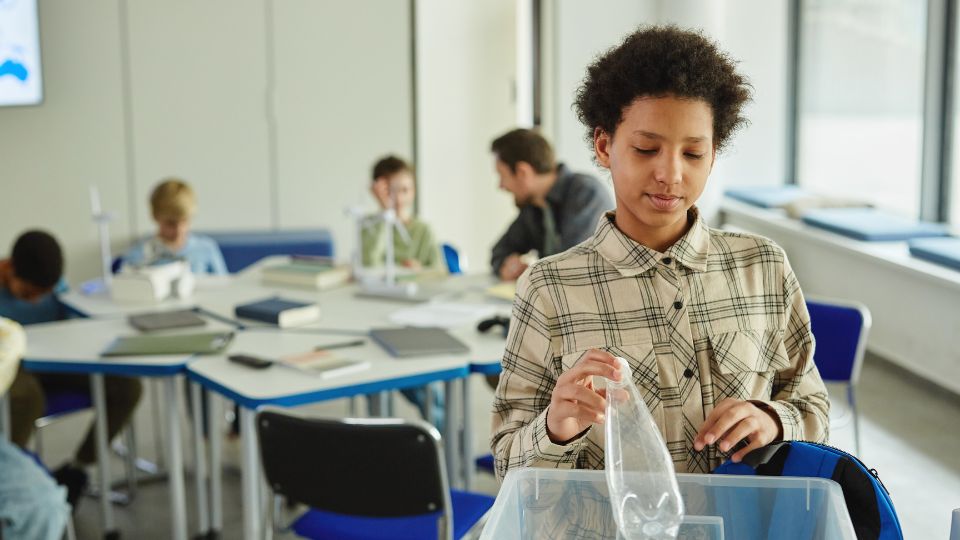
(626, 373)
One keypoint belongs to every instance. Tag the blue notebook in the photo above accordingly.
(871, 225)
(283, 313)
(942, 251)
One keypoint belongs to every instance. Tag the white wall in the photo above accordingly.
(273, 110)
(465, 73)
(752, 31)
(52, 152)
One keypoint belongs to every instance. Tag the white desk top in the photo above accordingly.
(282, 385)
(344, 313)
(344, 316)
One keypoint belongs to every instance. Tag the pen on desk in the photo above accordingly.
(345, 344)
(207, 313)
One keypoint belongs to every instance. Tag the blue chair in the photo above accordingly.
(240, 249)
(363, 478)
(840, 329)
(485, 463)
(452, 258)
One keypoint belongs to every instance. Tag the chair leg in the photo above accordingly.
(268, 525)
(851, 399)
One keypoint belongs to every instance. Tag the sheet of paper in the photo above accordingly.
(504, 291)
(443, 315)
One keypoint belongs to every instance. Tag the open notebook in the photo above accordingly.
(324, 364)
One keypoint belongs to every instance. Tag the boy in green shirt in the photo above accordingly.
(394, 187)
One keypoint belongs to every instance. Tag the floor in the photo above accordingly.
(909, 432)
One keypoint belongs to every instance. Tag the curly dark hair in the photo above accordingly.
(662, 61)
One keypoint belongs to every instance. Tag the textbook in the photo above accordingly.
(283, 313)
(324, 364)
(202, 343)
(306, 273)
(409, 341)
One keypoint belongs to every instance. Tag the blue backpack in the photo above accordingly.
(868, 501)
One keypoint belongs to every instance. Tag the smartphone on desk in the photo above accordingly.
(250, 361)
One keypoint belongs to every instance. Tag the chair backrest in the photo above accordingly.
(955, 525)
(840, 329)
(452, 258)
(362, 467)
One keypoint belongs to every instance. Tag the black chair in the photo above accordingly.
(363, 478)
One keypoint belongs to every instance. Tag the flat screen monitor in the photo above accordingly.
(20, 75)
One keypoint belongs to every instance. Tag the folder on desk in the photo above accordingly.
(406, 342)
(201, 343)
(165, 320)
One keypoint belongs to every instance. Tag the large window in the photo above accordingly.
(861, 87)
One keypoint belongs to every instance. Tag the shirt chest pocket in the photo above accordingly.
(743, 364)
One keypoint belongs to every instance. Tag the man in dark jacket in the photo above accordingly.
(558, 208)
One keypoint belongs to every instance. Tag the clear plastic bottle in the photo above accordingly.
(640, 475)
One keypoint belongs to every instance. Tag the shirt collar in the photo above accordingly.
(631, 258)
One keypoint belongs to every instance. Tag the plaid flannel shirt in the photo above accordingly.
(718, 315)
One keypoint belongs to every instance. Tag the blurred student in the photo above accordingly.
(29, 282)
(173, 205)
(32, 506)
(394, 187)
(558, 207)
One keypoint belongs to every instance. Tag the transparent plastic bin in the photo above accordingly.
(574, 504)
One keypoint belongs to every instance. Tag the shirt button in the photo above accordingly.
(688, 373)
(677, 305)
(667, 260)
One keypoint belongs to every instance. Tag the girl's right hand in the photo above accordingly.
(575, 404)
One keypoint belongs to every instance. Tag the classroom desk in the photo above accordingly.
(345, 316)
(288, 387)
(73, 346)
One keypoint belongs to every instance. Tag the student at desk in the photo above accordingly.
(32, 506)
(394, 187)
(27, 295)
(173, 205)
(713, 323)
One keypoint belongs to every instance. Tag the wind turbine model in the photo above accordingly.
(370, 281)
(102, 219)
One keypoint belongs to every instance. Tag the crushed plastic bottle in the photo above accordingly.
(640, 475)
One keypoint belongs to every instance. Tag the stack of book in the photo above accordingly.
(309, 272)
